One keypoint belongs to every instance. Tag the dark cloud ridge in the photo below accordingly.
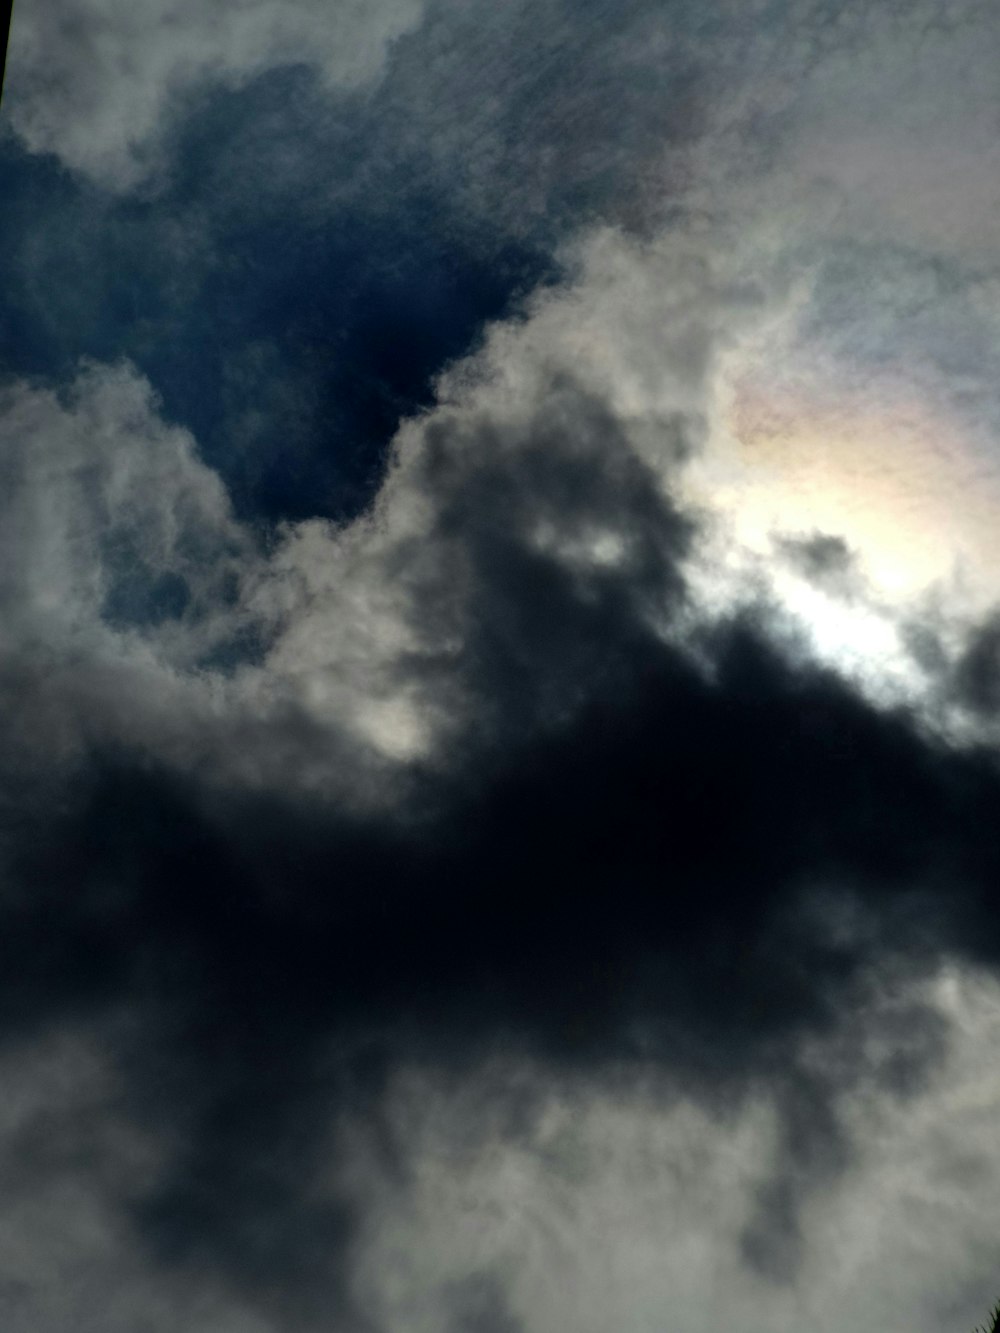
(622, 863)
(625, 889)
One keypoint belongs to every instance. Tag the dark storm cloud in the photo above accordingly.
(642, 841)
(611, 861)
(547, 633)
(622, 889)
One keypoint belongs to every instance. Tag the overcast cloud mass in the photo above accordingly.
(500, 666)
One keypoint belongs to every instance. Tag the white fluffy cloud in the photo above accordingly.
(143, 607)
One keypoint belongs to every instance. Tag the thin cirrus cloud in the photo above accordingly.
(543, 877)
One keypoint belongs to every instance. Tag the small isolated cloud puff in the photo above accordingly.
(93, 82)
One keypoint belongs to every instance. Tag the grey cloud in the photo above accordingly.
(620, 1198)
(960, 656)
(524, 536)
(825, 560)
(480, 1305)
(976, 674)
(94, 85)
(567, 549)
(357, 807)
(72, 1160)
(122, 569)
(125, 498)
(511, 1195)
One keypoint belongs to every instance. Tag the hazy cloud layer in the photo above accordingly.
(93, 85)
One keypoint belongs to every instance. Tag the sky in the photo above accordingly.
(500, 666)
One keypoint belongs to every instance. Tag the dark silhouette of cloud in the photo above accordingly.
(628, 888)
(340, 759)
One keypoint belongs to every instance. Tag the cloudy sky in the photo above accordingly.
(500, 666)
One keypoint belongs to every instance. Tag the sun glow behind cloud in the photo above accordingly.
(876, 464)
(903, 487)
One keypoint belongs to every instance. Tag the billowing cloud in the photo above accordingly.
(498, 762)
(579, 1201)
(389, 628)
